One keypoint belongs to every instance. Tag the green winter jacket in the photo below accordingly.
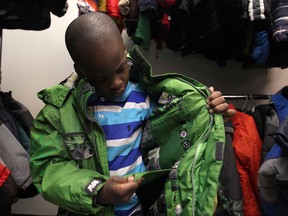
(182, 146)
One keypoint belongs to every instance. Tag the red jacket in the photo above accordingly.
(247, 145)
(4, 173)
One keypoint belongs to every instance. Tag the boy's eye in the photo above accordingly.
(102, 81)
(98, 81)
(122, 69)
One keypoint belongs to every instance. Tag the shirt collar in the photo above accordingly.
(121, 98)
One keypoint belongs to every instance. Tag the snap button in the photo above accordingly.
(186, 144)
(183, 133)
(102, 99)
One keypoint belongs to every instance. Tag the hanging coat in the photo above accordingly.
(8, 190)
(273, 175)
(248, 145)
(229, 190)
(267, 122)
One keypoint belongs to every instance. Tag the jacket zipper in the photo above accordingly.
(92, 122)
(199, 145)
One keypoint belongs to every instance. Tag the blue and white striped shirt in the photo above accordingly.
(122, 121)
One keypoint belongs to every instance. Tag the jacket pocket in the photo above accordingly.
(79, 146)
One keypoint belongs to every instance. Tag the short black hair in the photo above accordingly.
(91, 30)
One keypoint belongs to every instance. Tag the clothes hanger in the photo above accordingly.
(245, 103)
(252, 104)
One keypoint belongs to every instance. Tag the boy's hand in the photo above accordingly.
(216, 104)
(118, 190)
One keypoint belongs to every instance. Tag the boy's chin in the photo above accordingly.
(115, 95)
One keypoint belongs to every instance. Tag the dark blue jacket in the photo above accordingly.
(273, 173)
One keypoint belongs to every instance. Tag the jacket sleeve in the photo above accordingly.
(15, 158)
(57, 176)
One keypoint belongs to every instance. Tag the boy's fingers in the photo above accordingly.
(219, 108)
(229, 113)
(215, 95)
(211, 89)
(120, 180)
(215, 103)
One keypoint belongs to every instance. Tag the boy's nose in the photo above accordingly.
(116, 83)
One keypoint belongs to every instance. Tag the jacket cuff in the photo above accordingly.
(94, 201)
(92, 189)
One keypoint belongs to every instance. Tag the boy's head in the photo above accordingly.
(95, 44)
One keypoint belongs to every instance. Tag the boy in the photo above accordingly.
(88, 134)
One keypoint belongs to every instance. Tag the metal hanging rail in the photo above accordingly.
(247, 96)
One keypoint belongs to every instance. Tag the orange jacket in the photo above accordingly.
(247, 145)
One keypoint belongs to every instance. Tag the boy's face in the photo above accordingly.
(106, 70)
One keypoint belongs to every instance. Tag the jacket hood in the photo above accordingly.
(54, 95)
(57, 94)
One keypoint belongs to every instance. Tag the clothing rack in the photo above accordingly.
(247, 96)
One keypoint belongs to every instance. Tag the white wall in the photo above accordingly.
(33, 60)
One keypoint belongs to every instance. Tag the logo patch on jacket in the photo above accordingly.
(78, 145)
(92, 186)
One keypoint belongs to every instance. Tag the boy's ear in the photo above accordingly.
(78, 71)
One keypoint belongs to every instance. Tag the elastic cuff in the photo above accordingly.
(94, 201)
